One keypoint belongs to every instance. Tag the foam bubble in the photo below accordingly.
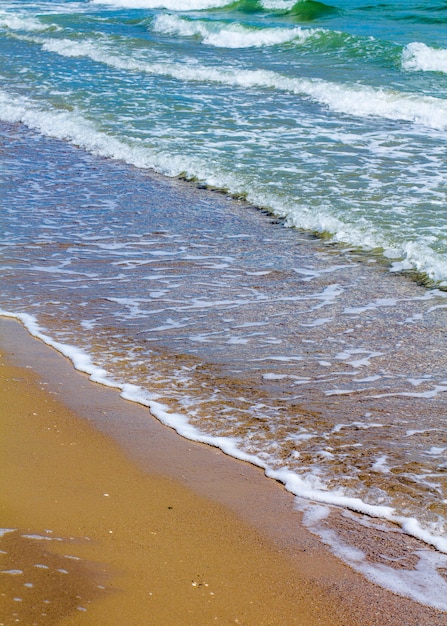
(430, 393)
(381, 465)
(419, 57)
(346, 356)
(41, 538)
(281, 5)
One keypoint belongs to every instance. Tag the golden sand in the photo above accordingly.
(118, 546)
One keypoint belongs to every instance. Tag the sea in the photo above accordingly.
(235, 213)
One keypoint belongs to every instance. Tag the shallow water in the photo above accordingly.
(306, 357)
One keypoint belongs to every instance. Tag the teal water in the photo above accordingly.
(308, 337)
(334, 117)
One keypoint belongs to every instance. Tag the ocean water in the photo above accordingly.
(235, 213)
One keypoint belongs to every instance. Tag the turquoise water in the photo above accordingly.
(334, 117)
(307, 337)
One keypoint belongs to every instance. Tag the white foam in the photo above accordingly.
(297, 380)
(436, 451)
(15, 21)
(423, 583)
(435, 308)
(379, 302)
(70, 48)
(73, 127)
(347, 355)
(430, 393)
(417, 381)
(79, 358)
(410, 433)
(172, 5)
(281, 5)
(224, 35)
(380, 465)
(41, 538)
(419, 57)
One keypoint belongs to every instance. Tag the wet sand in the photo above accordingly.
(115, 519)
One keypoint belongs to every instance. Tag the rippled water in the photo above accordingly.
(255, 331)
(332, 116)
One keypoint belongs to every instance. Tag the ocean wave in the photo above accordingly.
(354, 100)
(419, 57)
(307, 10)
(302, 10)
(72, 126)
(235, 35)
(17, 22)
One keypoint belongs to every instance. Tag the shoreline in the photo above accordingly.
(237, 526)
(103, 542)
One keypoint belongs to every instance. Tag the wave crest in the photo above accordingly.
(418, 57)
(303, 10)
(311, 10)
(15, 21)
(223, 35)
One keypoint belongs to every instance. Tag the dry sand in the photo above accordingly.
(114, 525)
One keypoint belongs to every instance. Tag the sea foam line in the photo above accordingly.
(72, 126)
(310, 488)
(189, 5)
(424, 582)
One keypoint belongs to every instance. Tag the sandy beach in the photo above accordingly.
(112, 518)
(223, 312)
